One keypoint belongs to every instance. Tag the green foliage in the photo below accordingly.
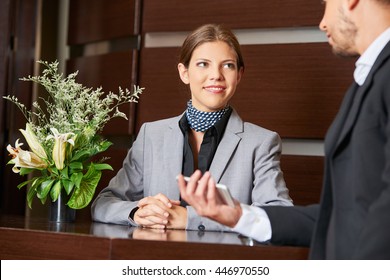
(66, 125)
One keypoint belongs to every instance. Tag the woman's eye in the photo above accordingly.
(230, 65)
(201, 64)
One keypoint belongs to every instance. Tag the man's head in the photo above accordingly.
(352, 25)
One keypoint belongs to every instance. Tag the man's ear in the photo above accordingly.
(352, 4)
(183, 73)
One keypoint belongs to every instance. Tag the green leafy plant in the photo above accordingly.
(63, 136)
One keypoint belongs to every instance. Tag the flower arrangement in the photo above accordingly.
(63, 136)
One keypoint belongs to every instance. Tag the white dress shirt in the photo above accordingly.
(367, 59)
(254, 223)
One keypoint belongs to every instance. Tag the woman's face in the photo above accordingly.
(212, 75)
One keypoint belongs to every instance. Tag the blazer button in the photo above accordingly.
(201, 227)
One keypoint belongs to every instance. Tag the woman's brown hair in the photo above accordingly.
(209, 33)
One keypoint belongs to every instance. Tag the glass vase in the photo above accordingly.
(59, 212)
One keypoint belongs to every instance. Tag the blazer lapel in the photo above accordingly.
(353, 111)
(335, 129)
(173, 154)
(358, 96)
(227, 146)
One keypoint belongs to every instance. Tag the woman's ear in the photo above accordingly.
(183, 73)
(240, 73)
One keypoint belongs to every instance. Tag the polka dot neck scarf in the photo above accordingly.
(201, 121)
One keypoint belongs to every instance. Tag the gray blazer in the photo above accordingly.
(246, 160)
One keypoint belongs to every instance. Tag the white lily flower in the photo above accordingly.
(59, 149)
(33, 142)
(26, 159)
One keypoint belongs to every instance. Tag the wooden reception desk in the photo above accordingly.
(36, 238)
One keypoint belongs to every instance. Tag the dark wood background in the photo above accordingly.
(294, 89)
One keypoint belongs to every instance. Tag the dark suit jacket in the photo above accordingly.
(353, 218)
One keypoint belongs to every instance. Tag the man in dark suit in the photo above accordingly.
(352, 220)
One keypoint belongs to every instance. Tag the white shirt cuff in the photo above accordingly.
(254, 223)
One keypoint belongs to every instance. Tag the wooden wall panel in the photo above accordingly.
(96, 20)
(165, 95)
(109, 71)
(179, 15)
(5, 52)
(303, 176)
(19, 60)
(294, 89)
